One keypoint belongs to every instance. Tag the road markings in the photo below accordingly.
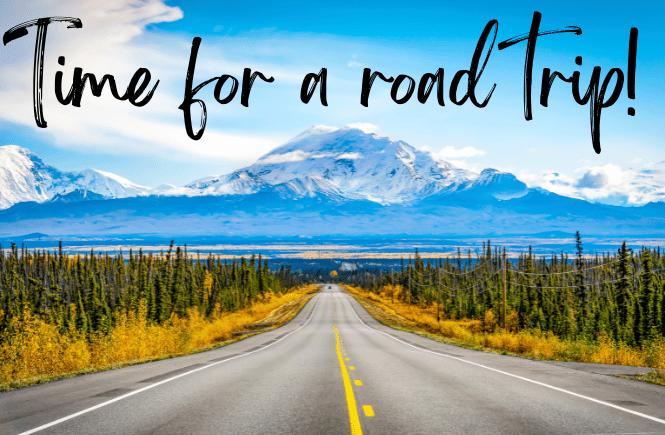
(630, 411)
(348, 359)
(369, 412)
(354, 420)
(351, 368)
(358, 382)
(85, 411)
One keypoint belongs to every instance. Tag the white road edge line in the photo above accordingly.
(639, 414)
(85, 411)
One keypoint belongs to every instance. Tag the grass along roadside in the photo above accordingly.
(654, 377)
(39, 353)
(484, 336)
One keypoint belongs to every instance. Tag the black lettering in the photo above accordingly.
(368, 80)
(427, 82)
(532, 36)
(220, 85)
(307, 88)
(247, 82)
(40, 44)
(409, 90)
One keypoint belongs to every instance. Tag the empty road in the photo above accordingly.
(334, 369)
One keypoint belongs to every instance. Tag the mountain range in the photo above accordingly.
(324, 181)
(348, 164)
(25, 177)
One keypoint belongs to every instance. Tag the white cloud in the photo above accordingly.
(460, 163)
(365, 127)
(322, 129)
(349, 156)
(292, 156)
(300, 155)
(608, 184)
(452, 152)
(113, 40)
(593, 179)
(354, 63)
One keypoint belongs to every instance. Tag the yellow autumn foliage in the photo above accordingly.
(39, 350)
(533, 343)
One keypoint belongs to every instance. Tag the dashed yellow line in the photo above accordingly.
(351, 368)
(369, 412)
(354, 420)
(358, 382)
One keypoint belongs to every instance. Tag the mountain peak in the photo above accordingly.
(13, 155)
(25, 177)
(319, 129)
(335, 163)
(355, 164)
(499, 184)
(77, 195)
(15, 149)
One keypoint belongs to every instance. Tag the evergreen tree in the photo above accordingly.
(624, 295)
(579, 282)
(81, 320)
(647, 300)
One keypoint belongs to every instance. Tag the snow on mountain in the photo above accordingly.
(25, 177)
(77, 195)
(241, 182)
(324, 181)
(339, 164)
(350, 163)
(309, 186)
(501, 185)
(107, 184)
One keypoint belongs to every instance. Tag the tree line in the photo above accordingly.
(92, 290)
(621, 294)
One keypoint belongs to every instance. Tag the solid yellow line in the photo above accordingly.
(368, 410)
(354, 420)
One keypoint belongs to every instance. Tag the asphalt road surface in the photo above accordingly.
(334, 369)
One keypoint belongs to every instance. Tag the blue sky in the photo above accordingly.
(289, 39)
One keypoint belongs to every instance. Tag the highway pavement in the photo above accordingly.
(336, 370)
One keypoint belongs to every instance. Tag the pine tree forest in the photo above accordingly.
(89, 292)
(61, 314)
(620, 295)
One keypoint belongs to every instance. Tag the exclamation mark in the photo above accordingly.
(632, 56)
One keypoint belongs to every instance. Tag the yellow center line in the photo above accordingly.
(354, 420)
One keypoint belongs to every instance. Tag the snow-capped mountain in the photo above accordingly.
(341, 164)
(501, 185)
(326, 181)
(348, 163)
(25, 177)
